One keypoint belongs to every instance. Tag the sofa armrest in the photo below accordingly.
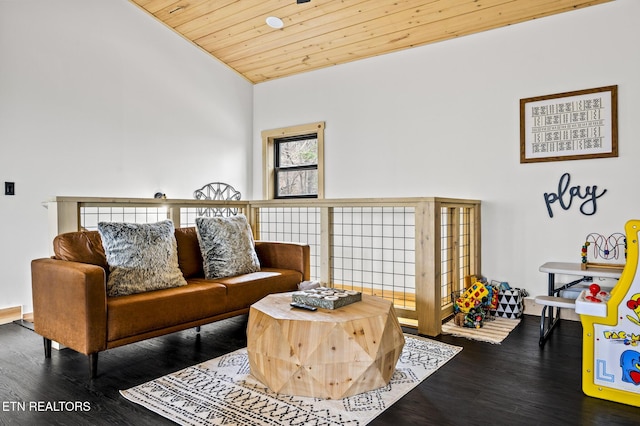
(70, 303)
(283, 255)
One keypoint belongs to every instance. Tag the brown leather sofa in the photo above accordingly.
(71, 306)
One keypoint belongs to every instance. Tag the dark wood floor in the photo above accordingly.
(514, 383)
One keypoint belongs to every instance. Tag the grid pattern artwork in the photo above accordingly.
(373, 251)
(296, 225)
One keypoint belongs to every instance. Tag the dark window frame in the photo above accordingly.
(277, 168)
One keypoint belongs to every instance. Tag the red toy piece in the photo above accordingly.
(596, 296)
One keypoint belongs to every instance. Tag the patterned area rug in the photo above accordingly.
(222, 392)
(494, 330)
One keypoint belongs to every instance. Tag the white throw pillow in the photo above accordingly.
(141, 257)
(227, 246)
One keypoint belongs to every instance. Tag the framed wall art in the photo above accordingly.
(569, 126)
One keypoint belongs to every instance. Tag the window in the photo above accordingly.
(293, 162)
(296, 166)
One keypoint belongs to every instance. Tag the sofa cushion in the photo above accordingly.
(189, 256)
(227, 246)
(145, 312)
(83, 247)
(141, 257)
(245, 290)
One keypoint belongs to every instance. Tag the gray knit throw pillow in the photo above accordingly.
(141, 257)
(227, 246)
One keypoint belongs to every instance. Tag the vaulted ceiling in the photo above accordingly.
(321, 33)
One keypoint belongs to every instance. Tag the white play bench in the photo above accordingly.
(548, 318)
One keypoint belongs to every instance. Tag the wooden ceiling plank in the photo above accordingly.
(185, 11)
(154, 6)
(439, 32)
(234, 33)
(396, 37)
(405, 19)
(323, 30)
(249, 30)
(445, 30)
(328, 32)
(142, 3)
(287, 69)
(230, 15)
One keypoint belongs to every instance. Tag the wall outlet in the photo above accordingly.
(9, 188)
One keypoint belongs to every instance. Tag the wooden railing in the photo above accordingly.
(413, 251)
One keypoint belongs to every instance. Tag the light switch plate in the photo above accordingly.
(9, 188)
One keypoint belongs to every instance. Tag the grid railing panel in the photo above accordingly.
(384, 247)
(296, 225)
(373, 251)
(464, 247)
(456, 250)
(446, 257)
(188, 216)
(91, 216)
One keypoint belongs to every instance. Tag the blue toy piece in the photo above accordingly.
(630, 364)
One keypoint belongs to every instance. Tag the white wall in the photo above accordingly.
(443, 120)
(99, 99)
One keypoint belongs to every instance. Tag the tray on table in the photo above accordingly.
(327, 298)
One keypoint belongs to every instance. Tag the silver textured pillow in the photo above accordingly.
(141, 257)
(227, 246)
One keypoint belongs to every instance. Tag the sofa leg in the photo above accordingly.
(198, 329)
(93, 365)
(47, 347)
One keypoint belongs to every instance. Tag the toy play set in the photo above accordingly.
(611, 328)
(482, 300)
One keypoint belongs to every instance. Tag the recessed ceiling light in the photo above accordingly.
(275, 22)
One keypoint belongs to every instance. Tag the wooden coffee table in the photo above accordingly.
(326, 353)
